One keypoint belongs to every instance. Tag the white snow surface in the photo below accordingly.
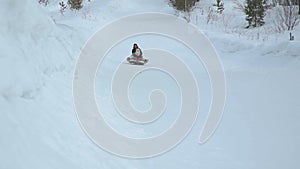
(39, 127)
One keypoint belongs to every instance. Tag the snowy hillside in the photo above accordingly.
(39, 128)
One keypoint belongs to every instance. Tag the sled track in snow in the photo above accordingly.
(91, 55)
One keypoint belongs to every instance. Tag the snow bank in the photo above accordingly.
(38, 125)
(28, 48)
(19, 17)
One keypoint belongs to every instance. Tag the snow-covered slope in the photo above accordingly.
(32, 47)
(39, 126)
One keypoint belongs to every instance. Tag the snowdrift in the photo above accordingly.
(31, 47)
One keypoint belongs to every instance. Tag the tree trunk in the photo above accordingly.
(299, 7)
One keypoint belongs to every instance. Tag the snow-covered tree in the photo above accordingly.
(255, 12)
(220, 6)
(45, 2)
(63, 6)
(183, 5)
(288, 14)
(75, 4)
(298, 7)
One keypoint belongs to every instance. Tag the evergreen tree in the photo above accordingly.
(255, 12)
(63, 7)
(75, 4)
(183, 5)
(220, 6)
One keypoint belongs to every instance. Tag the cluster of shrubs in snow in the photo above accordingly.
(74, 4)
(288, 11)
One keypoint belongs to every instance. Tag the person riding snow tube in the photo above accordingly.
(136, 56)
